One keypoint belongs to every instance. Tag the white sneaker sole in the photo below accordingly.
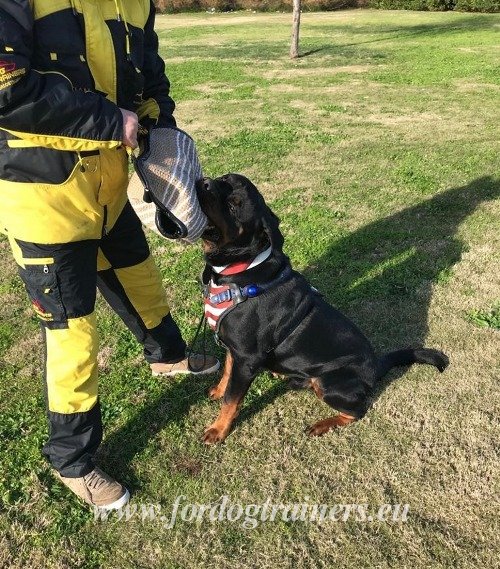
(207, 371)
(117, 504)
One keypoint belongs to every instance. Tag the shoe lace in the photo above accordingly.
(94, 480)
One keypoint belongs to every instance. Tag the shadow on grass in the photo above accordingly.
(381, 275)
(390, 33)
(311, 52)
(171, 406)
(453, 24)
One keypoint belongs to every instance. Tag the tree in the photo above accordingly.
(294, 48)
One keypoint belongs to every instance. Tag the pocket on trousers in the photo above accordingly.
(42, 285)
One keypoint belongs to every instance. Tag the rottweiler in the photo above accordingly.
(269, 317)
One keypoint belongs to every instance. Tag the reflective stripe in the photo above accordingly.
(72, 366)
(38, 261)
(22, 144)
(64, 142)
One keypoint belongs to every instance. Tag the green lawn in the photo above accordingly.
(379, 150)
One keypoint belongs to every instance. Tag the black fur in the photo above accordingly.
(289, 329)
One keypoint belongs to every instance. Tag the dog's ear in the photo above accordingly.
(270, 222)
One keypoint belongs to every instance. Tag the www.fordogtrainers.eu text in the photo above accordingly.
(249, 516)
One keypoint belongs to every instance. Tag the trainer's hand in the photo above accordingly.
(130, 126)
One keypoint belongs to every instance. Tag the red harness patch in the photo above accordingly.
(218, 298)
(214, 309)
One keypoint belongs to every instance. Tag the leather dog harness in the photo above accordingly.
(221, 299)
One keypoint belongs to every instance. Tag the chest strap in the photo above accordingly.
(222, 299)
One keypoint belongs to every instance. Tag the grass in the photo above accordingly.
(486, 318)
(379, 151)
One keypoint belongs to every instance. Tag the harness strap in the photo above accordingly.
(240, 294)
(236, 295)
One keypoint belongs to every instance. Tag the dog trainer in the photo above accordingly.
(75, 76)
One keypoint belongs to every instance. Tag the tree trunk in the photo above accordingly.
(294, 48)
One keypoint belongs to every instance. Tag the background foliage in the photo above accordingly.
(174, 6)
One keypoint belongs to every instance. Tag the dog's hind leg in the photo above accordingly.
(323, 426)
(217, 391)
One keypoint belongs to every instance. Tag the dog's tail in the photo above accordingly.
(410, 356)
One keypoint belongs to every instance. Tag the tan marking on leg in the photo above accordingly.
(219, 429)
(217, 391)
(322, 427)
(314, 384)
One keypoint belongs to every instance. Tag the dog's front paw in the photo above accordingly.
(214, 393)
(318, 429)
(213, 435)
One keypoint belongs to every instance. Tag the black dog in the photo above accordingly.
(269, 317)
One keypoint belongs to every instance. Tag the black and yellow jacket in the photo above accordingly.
(66, 66)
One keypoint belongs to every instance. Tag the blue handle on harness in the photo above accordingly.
(239, 294)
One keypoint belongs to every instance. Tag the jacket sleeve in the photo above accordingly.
(158, 107)
(42, 108)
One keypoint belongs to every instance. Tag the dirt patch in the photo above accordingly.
(178, 60)
(104, 358)
(187, 465)
(472, 86)
(26, 355)
(390, 120)
(214, 88)
(237, 19)
(315, 71)
(197, 119)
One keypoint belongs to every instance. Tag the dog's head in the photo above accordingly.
(240, 224)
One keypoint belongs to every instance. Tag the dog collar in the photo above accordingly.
(235, 268)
